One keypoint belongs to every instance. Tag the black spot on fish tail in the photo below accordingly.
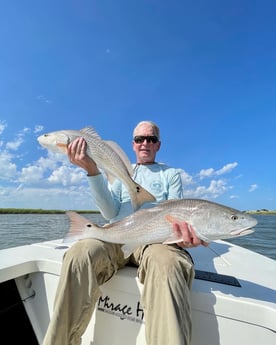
(138, 189)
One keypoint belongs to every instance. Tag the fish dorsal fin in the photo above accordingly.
(90, 131)
(117, 148)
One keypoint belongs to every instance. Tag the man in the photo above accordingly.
(165, 270)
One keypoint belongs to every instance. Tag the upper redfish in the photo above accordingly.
(106, 154)
(211, 221)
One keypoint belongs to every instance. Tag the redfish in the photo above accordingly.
(108, 156)
(211, 221)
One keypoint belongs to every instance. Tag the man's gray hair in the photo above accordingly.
(152, 124)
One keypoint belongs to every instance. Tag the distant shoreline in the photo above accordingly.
(42, 211)
(39, 211)
(262, 212)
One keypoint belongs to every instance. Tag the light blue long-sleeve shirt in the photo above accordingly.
(114, 202)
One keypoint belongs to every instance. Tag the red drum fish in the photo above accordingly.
(108, 156)
(211, 221)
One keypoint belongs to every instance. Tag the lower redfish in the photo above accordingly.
(211, 221)
(106, 154)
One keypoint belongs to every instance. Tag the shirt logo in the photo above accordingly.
(156, 185)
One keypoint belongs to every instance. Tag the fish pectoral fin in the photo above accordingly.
(62, 147)
(169, 218)
(173, 238)
(128, 249)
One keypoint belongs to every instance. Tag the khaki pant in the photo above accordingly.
(165, 270)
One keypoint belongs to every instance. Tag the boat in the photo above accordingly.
(233, 297)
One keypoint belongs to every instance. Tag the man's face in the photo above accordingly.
(145, 148)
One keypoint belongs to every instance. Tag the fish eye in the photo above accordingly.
(234, 217)
(88, 225)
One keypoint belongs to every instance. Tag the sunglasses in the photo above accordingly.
(139, 139)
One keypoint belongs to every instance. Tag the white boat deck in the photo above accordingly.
(216, 304)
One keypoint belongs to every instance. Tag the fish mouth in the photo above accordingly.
(241, 232)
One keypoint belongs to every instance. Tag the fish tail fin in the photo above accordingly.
(140, 196)
(78, 226)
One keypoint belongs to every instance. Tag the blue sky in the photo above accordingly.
(205, 71)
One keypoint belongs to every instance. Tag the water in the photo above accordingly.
(20, 229)
(263, 240)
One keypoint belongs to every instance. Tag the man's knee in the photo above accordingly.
(83, 250)
(168, 261)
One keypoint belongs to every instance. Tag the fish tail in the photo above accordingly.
(140, 196)
(78, 226)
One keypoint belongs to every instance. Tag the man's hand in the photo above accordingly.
(188, 235)
(77, 155)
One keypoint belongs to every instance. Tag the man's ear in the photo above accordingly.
(158, 146)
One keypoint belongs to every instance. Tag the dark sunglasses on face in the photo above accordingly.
(139, 139)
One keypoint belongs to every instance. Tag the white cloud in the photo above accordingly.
(47, 163)
(19, 139)
(14, 145)
(3, 126)
(66, 176)
(26, 130)
(253, 187)
(216, 187)
(8, 172)
(208, 173)
(31, 174)
(38, 128)
(43, 99)
(47, 198)
(214, 190)
(226, 168)
(185, 177)
(205, 173)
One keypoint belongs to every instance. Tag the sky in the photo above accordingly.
(204, 71)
